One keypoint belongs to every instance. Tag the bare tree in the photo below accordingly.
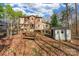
(76, 18)
(67, 12)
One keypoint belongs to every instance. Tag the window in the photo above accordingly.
(46, 25)
(32, 26)
(38, 25)
(32, 18)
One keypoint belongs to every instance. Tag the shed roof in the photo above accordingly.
(59, 28)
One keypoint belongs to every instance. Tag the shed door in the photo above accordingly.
(57, 34)
(68, 34)
(62, 34)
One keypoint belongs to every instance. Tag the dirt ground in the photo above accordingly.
(18, 46)
(44, 46)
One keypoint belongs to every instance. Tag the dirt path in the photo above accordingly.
(61, 48)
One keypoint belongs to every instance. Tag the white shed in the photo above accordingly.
(61, 33)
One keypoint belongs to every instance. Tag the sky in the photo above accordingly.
(44, 10)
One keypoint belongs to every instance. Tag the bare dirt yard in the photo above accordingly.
(40, 45)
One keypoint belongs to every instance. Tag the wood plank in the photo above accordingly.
(29, 37)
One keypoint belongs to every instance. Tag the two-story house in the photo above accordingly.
(33, 23)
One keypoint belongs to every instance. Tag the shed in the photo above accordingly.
(61, 33)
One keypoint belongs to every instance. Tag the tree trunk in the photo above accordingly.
(67, 11)
(18, 25)
(8, 30)
(76, 18)
(11, 29)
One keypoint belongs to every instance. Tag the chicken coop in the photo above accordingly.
(61, 33)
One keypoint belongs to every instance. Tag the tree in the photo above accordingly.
(1, 11)
(71, 9)
(54, 21)
(67, 12)
(66, 15)
(10, 15)
(63, 15)
(10, 12)
(76, 18)
(18, 14)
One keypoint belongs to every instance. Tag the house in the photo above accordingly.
(46, 27)
(33, 23)
(61, 33)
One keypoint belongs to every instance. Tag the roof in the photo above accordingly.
(30, 16)
(59, 28)
(45, 22)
